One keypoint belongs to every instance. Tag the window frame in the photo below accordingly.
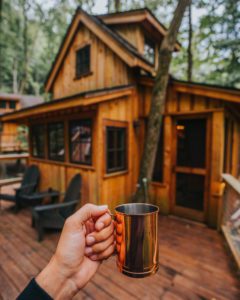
(85, 73)
(63, 159)
(115, 124)
(70, 124)
(44, 140)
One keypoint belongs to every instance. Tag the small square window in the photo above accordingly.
(83, 61)
(12, 105)
(116, 151)
(56, 141)
(80, 134)
(3, 104)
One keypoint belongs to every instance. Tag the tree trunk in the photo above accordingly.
(157, 103)
(15, 77)
(117, 5)
(189, 50)
(24, 80)
(1, 29)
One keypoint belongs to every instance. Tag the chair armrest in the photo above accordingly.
(43, 208)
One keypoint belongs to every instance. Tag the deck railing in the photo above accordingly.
(12, 165)
(231, 215)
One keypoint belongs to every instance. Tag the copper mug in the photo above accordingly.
(137, 239)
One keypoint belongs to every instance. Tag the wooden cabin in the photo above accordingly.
(101, 83)
(10, 132)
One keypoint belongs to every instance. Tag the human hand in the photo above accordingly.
(86, 239)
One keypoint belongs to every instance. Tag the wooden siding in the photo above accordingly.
(118, 187)
(133, 33)
(107, 69)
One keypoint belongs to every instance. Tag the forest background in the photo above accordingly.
(31, 32)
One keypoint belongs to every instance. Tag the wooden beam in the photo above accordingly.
(63, 104)
(208, 91)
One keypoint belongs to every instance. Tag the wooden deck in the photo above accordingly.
(194, 263)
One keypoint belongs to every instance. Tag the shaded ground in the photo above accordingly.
(194, 263)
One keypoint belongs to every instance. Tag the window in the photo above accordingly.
(12, 105)
(149, 51)
(56, 141)
(80, 133)
(83, 61)
(38, 140)
(3, 104)
(158, 166)
(115, 149)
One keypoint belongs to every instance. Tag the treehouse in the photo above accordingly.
(101, 83)
(9, 132)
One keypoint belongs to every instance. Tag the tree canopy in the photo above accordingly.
(31, 32)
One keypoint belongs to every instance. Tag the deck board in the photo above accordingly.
(194, 263)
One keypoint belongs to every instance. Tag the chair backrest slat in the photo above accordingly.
(31, 177)
(73, 193)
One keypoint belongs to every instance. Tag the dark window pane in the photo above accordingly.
(83, 61)
(12, 105)
(81, 141)
(190, 191)
(3, 104)
(191, 143)
(116, 149)
(158, 166)
(56, 141)
(38, 140)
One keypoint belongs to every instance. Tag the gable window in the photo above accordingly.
(56, 141)
(149, 50)
(38, 140)
(12, 105)
(116, 150)
(3, 104)
(80, 134)
(83, 61)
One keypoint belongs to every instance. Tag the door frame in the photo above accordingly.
(182, 211)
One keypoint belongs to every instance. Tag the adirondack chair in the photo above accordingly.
(53, 216)
(28, 186)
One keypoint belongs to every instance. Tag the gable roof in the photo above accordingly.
(25, 100)
(115, 42)
(142, 15)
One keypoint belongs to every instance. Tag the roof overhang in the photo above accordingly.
(200, 89)
(81, 17)
(144, 16)
(79, 100)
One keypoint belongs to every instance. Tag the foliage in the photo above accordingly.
(31, 32)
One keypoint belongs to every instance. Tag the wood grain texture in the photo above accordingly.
(186, 271)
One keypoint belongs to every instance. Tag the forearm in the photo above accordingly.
(55, 282)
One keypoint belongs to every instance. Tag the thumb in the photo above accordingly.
(88, 211)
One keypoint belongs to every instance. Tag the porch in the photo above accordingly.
(194, 263)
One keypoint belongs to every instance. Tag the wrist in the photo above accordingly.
(56, 282)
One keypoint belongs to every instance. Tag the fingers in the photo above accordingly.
(99, 236)
(105, 254)
(99, 247)
(85, 213)
(103, 221)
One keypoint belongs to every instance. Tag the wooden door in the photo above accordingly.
(190, 168)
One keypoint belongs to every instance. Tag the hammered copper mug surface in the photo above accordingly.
(137, 239)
